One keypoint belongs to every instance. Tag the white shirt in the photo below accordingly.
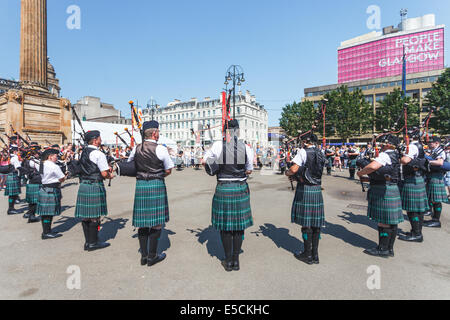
(440, 155)
(300, 158)
(216, 151)
(384, 158)
(34, 163)
(99, 159)
(161, 152)
(52, 173)
(413, 151)
(15, 161)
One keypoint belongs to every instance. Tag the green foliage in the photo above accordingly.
(391, 109)
(439, 96)
(297, 116)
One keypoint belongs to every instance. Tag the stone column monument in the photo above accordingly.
(33, 109)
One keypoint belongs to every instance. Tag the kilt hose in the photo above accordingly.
(414, 195)
(49, 203)
(32, 195)
(308, 208)
(151, 207)
(231, 209)
(12, 184)
(91, 200)
(385, 204)
(436, 188)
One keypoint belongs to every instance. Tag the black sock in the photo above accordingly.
(11, 202)
(93, 232)
(238, 239)
(143, 234)
(437, 208)
(85, 225)
(415, 222)
(315, 241)
(307, 240)
(227, 241)
(47, 224)
(154, 239)
(392, 236)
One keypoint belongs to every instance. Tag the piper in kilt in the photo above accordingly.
(232, 162)
(91, 198)
(307, 208)
(151, 209)
(49, 202)
(352, 156)
(385, 205)
(414, 195)
(31, 166)
(435, 182)
(12, 189)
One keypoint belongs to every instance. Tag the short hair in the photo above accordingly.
(149, 132)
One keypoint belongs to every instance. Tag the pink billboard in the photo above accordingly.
(384, 58)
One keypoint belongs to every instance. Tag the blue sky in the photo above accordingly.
(177, 49)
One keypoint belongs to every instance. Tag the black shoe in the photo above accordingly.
(227, 265)
(236, 266)
(427, 214)
(391, 253)
(316, 259)
(97, 246)
(432, 224)
(50, 236)
(411, 237)
(26, 216)
(303, 257)
(33, 219)
(155, 260)
(86, 246)
(144, 261)
(377, 252)
(12, 212)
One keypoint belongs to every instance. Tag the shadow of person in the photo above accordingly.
(111, 227)
(359, 219)
(347, 236)
(164, 241)
(64, 224)
(211, 237)
(281, 238)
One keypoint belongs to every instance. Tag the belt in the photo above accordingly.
(90, 181)
(231, 181)
(52, 185)
(149, 179)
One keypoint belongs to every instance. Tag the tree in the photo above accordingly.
(439, 96)
(348, 113)
(391, 110)
(297, 116)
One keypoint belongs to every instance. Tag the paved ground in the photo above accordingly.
(36, 269)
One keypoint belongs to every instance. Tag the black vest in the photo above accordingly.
(412, 168)
(33, 174)
(312, 170)
(388, 174)
(148, 165)
(232, 160)
(89, 170)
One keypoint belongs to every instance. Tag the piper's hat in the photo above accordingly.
(91, 135)
(150, 125)
(48, 153)
(390, 139)
(233, 124)
(435, 139)
(310, 137)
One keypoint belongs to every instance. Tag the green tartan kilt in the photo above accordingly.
(436, 188)
(385, 204)
(352, 164)
(91, 200)
(151, 207)
(414, 195)
(49, 203)
(308, 208)
(231, 209)
(32, 195)
(12, 184)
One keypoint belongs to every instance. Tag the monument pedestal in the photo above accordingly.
(42, 116)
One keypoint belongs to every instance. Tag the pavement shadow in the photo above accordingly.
(281, 238)
(64, 224)
(211, 237)
(359, 219)
(111, 227)
(347, 236)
